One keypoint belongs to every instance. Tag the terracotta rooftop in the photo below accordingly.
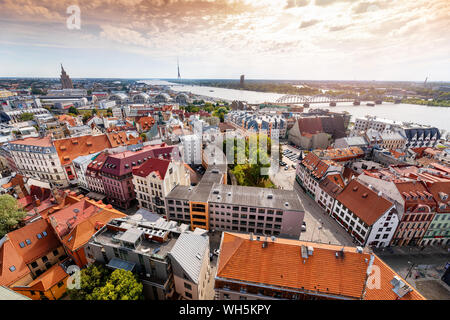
(83, 231)
(48, 279)
(71, 148)
(281, 264)
(363, 202)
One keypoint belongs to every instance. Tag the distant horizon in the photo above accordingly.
(359, 40)
(227, 79)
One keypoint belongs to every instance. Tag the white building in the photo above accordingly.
(366, 214)
(192, 149)
(154, 179)
(80, 165)
(37, 158)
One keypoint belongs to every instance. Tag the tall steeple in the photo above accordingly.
(66, 82)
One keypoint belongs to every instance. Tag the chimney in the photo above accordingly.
(251, 236)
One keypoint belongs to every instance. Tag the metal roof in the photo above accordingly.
(188, 252)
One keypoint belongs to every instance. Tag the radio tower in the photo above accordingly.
(178, 67)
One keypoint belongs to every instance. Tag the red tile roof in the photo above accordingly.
(363, 202)
(48, 279)
(157, 166)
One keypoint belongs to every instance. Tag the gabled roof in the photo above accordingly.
(363, 202)
(158, 166)
(189, 252)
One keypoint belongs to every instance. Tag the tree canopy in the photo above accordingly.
(121, 285)
(73, 110)
(98, 283)
(26, 116)
(10, 214)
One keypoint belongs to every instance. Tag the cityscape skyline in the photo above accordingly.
(316, 39)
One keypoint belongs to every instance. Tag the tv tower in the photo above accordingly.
(178, 67)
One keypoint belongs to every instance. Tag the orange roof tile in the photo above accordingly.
(47, 280)
(9, 257)
(281, 264)
(71, 148)
(384, 292)
(38, 247)
(82, 232)
(363, 202)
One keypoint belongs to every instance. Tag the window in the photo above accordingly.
(55, 253)
(39, 236)
(44, 233)
(22, 245)
(12, 268)
(188, 294)
(34, 264)
(60, 284)
(187, 286)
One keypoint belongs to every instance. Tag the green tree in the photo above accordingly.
(121, 285)
(26, 116)
(73, 110)
(94, 111)
(94, 276)
(10, 214)
(109, 112)
(86, 116)
(143, 136)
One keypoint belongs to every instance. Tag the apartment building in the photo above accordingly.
(212, 205)
(117, 175)
(38, 158)
(438, 232)
(141, 244)
(80, 165)
(30, 259)
(154, 179)
(419, 211)
(375, 123)
(366, 214)
(299, 270)
(93, 178)
(191, 266)
(312, 170)
(192, 149)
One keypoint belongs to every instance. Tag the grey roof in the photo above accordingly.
(188, 252)
(131, 235)
(8, 294)
(256, 197)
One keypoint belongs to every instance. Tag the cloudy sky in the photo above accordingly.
(263, 39)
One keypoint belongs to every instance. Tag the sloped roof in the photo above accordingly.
(157, 166)
(71, 148)
(363, 202)
(9, 257)
(38, 247)
(281, 264)
(384, 292)
(48, 279)
(189, 251)
(83, 231)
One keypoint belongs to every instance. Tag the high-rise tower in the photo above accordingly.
(66, 82)
(178, 66)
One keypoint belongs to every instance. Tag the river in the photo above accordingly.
(438, 117)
